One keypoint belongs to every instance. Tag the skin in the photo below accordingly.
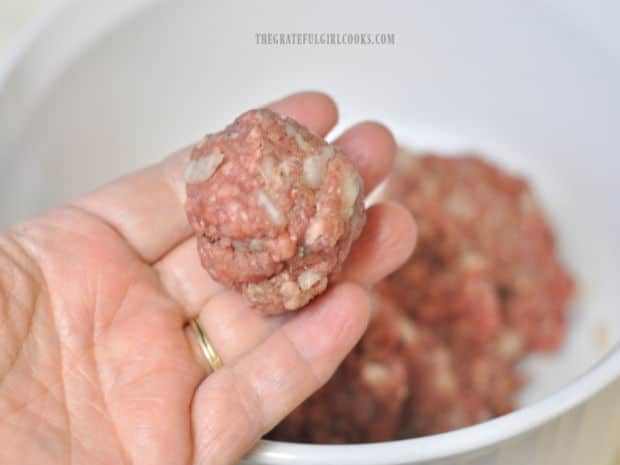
(96, 363)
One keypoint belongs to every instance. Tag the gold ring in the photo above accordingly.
(213, 359)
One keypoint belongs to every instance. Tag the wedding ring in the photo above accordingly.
(212, 358)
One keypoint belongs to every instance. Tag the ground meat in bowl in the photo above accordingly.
(363, 401)
(482, 289)
(485, 258)
(275, 209)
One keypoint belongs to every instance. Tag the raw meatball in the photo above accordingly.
(275, 209)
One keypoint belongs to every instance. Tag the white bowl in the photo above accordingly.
(93, 91)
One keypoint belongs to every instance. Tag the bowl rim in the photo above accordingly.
(585, 386)
(464, 440)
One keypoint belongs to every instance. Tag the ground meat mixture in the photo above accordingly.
(483, 288)
(485, 259)
(363, 400)
(275, 209)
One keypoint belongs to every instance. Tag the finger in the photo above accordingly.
(387, 241)
(315, 110)
(152, 199)
(232, 327)
(371, 147)
(236, 405)
(184, 278)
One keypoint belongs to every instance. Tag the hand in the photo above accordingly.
(95, 365)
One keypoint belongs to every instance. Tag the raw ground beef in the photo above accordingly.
(483, 288)
(363, 400)
(275, 209)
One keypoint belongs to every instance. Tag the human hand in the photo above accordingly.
(95, 363)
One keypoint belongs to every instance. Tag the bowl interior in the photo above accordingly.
(518, 83)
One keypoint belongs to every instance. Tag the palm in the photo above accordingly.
(125, 365)
(122, 383)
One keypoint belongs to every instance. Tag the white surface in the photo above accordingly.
(104, 90)
(14, 15)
